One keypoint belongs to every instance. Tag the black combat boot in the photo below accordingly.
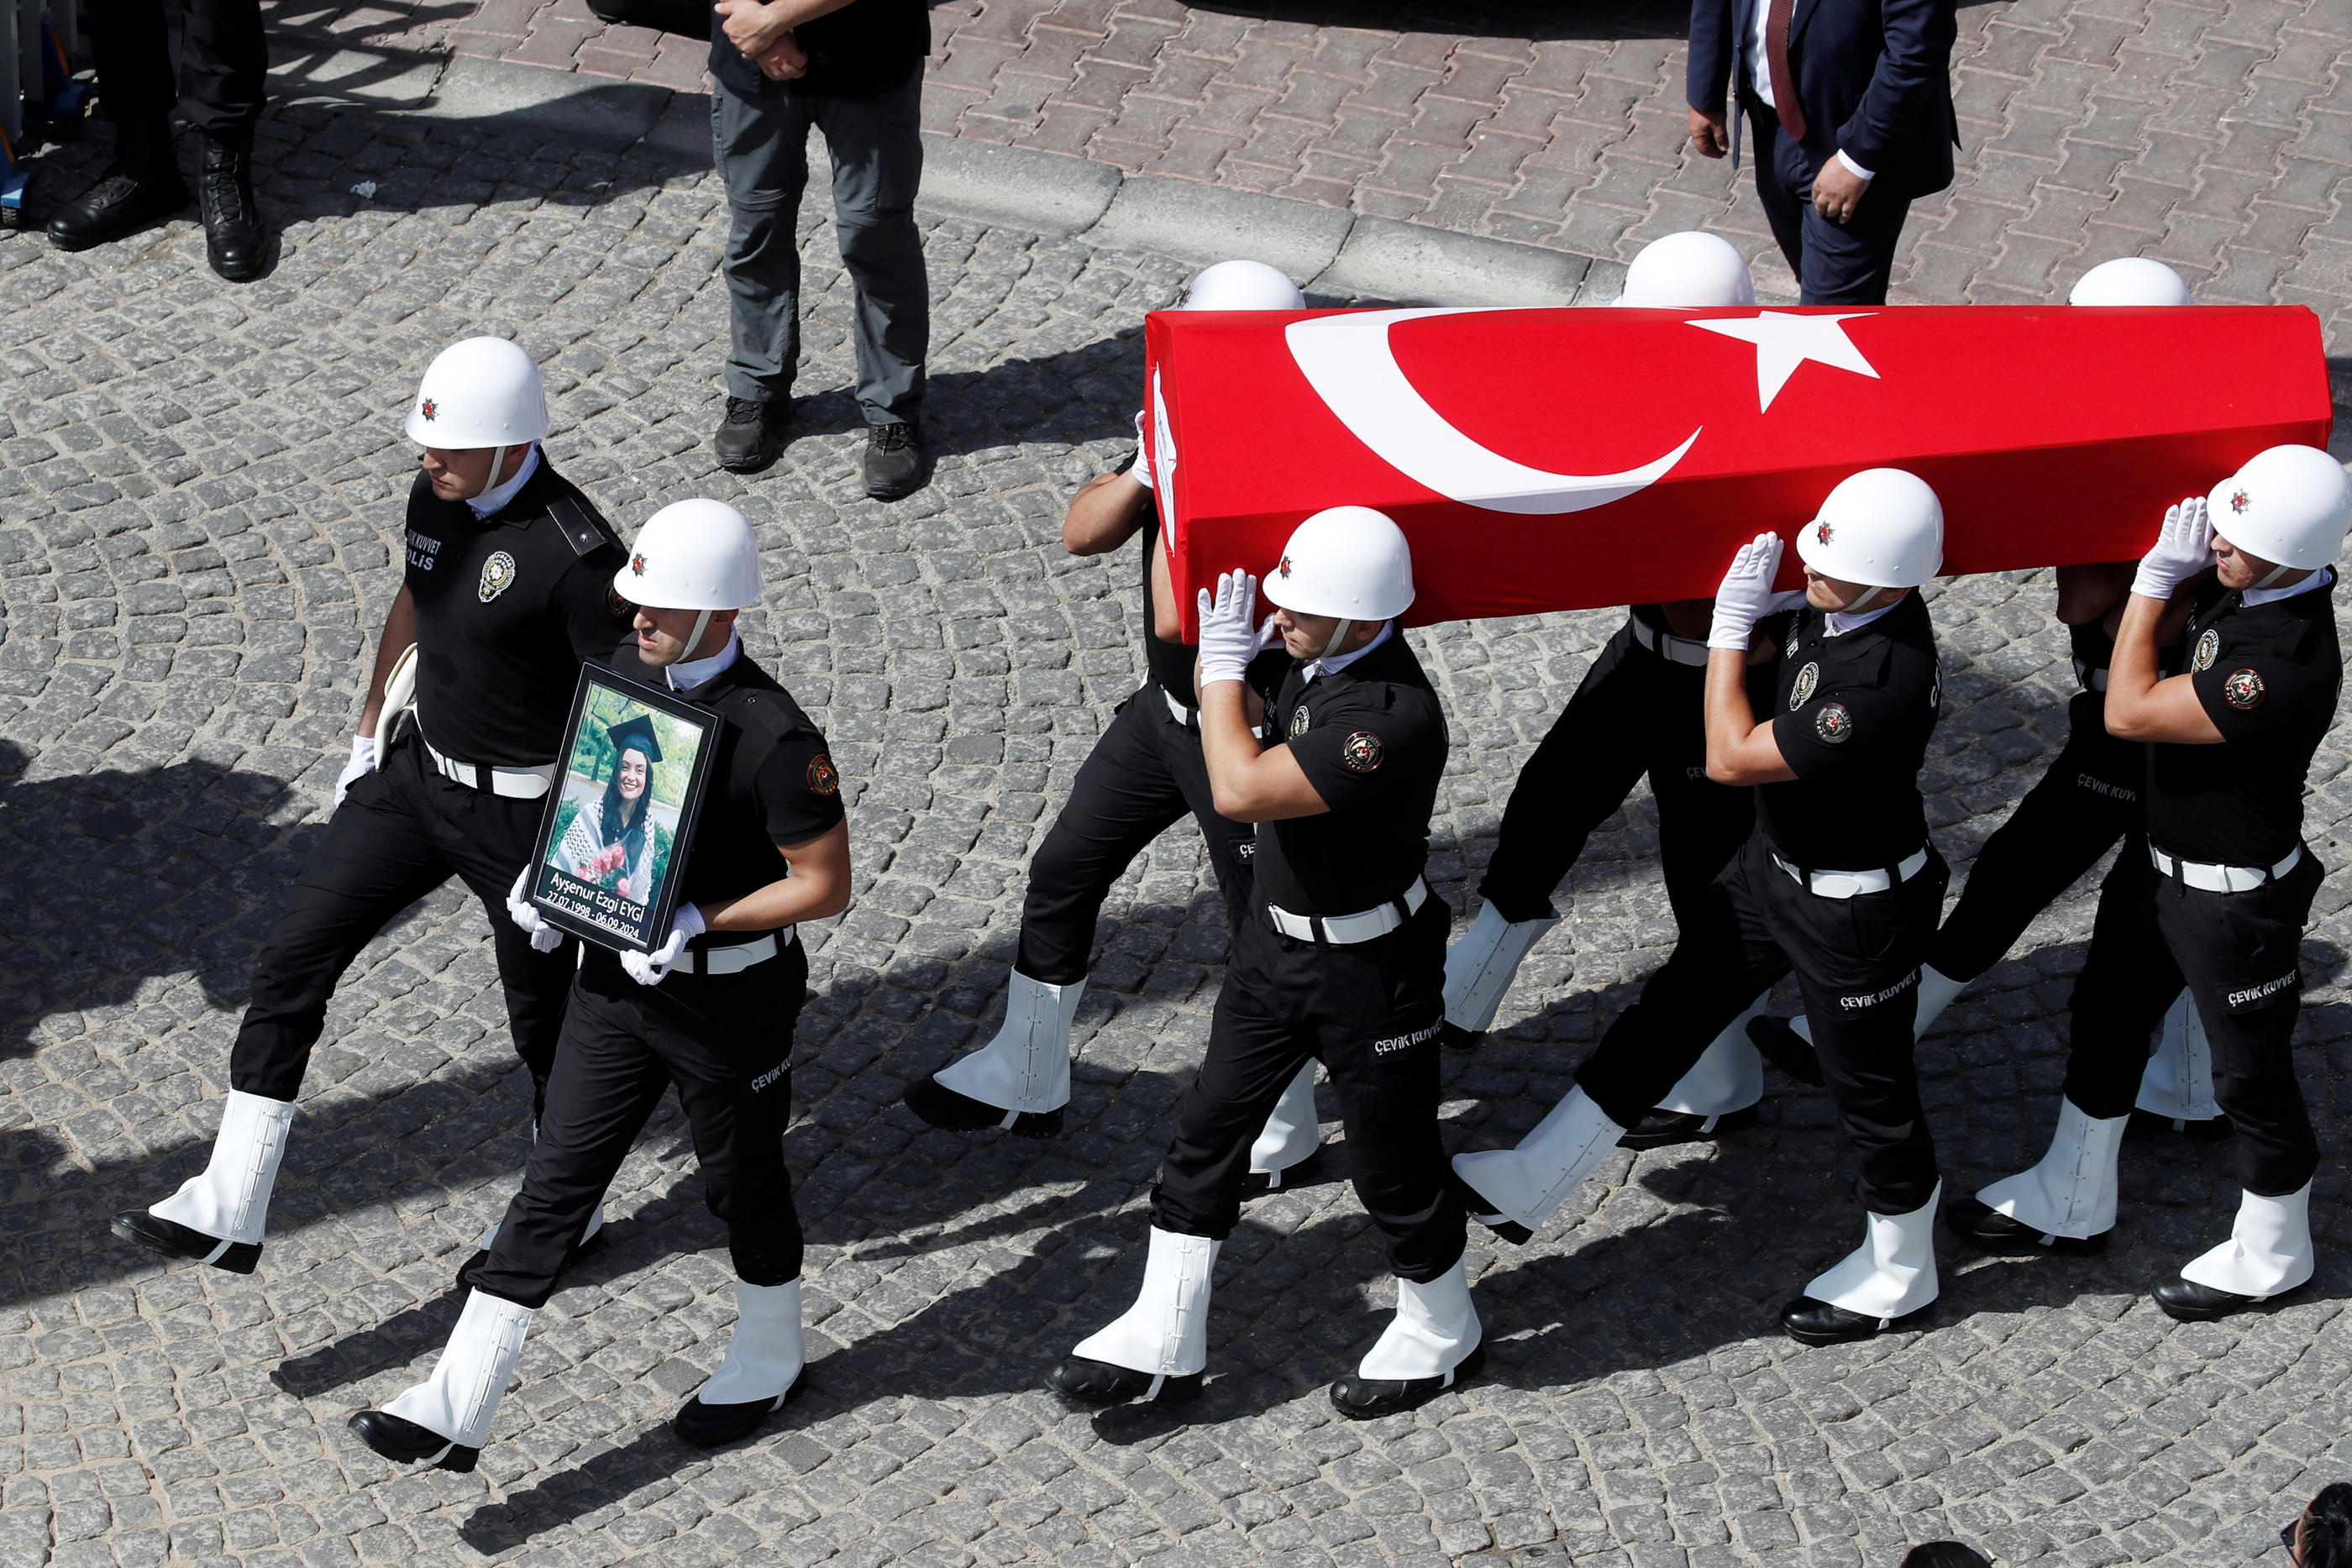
(141, 184)
(234, 242)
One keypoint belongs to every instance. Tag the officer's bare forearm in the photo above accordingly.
(399, 633)
(1105, 514)
(1248, 783)
(2141, 705)
(816, 888)
(1739, 751)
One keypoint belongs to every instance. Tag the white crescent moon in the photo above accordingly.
(1349, 362)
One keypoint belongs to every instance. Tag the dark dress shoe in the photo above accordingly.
(1810, 1321)
(751, 433)
(1475, 1204)
(1365, 1398)
(1453, 1036)
(176, 1241)
(943, 1108)
(893, 465)
(1662, 1129)
(234, 242)
(140, 185)
(701, 1425)
(1989, 1231)
(2194, 1303)
(1257, 1184)
(1087, 1382)
(406, 1443)
(1785, 1049)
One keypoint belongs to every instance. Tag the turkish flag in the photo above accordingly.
(1564, 459)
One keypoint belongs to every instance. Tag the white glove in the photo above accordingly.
(2184, 547)
(361, 764)
(1140, 470)
(544, 938)
(1746, 594)
(1227, 641)
(652, 968)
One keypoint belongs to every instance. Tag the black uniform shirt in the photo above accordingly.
(2267, 677)
(772, 783)
(1371, 740)
(1851, 715)
(866, 47)
(507, 607)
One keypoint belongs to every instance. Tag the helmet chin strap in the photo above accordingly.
(2275, 573)
(1338, 635)
(694, 641)
(498, 461)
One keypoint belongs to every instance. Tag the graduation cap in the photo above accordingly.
(636, 735)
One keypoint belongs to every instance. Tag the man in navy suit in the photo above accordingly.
(1851, 106)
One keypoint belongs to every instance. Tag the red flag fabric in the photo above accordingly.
(1564, 459)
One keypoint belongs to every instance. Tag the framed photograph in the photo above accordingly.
(612, 848)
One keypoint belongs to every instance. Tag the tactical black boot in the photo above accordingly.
(234, 242)
(751, 433)
(141, 184)
(893, 465)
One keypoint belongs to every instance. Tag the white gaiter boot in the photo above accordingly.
(1524, 1185)
(1026, 1070)
(2071, 1193)
(1435, 1330)
(1728, 1078)
(1166, 1332)
(1893, 1273)
(460, 1400)
(1480, 967)
(1291, 1133)
(231, 1198)
(2178, 1083)
(765, 1354)
(2269, 1252)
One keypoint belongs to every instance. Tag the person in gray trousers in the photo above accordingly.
(854, 69)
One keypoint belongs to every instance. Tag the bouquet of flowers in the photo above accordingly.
(603, 868)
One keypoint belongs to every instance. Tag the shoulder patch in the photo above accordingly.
(822, 780)
(585, 528)
(1363, 751)
(2243, 689)
(1834, 723)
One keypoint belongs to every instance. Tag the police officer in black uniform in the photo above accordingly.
(1341, 960)
(2219, 896)
(1144, 774)
(508, 586)
(712, 1006)
(1838, 883)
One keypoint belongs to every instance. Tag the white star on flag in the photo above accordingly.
(1783, 341)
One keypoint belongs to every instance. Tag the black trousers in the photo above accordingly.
(1857, 966)
(224, 62)
(2240, 956)
(2085, 802)
(1634, 713)
(1143, 774)
(727, 1040)
(1836, 264)
(1369, 1012)
(401, 832)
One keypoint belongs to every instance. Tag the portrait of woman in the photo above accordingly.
(612, 843)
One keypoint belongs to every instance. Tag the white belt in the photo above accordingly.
(2223, 878)
(1666, 645)
(1852, 883)
(517, 783)
(1342, 929)
(735, 959)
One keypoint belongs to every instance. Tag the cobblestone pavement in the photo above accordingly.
(2216, 134)
(201, 486)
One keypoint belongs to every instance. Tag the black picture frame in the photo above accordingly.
(589, 896)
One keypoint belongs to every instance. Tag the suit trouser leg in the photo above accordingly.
(130, 44)
(760, 145)
(1836, 264)
(380, 852)
(877, 164)
(224, 66)
(1124, 797)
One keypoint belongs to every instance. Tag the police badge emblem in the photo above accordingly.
(1803, 691)
(2243, 689)
(1299, 721)
(498, 576)
(1833, 724)
(2208, 648)
(1363, 751)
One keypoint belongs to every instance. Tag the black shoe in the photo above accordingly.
(1364, 1399)
(701, 1425)
(406, 1443)
(2194, 1303)
(943, 1107)
(1810, 1321)
(234, 242)
(1453, 1036)
(1087, 1382)
(176, 1241)
(141, 184)
(1475, 1204)
(1785, 1049)
(751, 433)
(2205, 1130)
(1661, 1129)
(893, 466)
(1988, 1231)
(1257, 1184)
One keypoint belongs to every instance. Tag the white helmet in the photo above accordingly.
(482, 391)
(1881, 527)
(2129, 281)
(693, 555)
(1688, 271)
(1347, 561)
(1242, 286)
(2289, 506)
